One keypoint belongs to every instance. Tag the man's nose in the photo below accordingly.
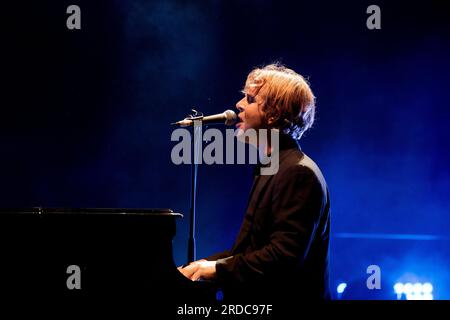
(240, 106)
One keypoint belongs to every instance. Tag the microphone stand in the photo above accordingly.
(197, 130)
(197, 119)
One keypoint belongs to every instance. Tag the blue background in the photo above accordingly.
(85, 118)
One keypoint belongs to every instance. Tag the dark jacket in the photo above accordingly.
(282, 247)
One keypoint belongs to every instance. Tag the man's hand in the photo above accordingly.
(200, 269)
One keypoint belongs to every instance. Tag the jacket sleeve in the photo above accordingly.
(295, 207)
(220, 255)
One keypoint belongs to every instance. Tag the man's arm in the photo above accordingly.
(220, 255)
(296, 206)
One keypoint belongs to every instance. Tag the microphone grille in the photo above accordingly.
(230, 117)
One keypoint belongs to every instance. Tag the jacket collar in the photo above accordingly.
(286, 145)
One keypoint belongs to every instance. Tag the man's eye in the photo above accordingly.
(250, 99)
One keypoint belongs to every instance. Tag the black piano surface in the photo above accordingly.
(120, 253)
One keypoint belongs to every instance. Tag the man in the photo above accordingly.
(282, 247)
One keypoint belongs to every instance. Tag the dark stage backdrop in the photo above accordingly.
(85, 118)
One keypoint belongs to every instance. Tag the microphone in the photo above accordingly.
(227, 117)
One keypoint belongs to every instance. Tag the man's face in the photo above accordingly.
(250, 111)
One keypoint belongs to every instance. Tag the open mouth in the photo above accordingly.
(239, 122)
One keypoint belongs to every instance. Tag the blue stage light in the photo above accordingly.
(408, 288)
(398, 288)
(427, 288)
(416, 291)
(427, 296)
(341, 287)
(417, 288)
(411, 296)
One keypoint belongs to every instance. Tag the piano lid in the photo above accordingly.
(108, 211)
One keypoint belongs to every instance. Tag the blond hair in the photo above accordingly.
(289, 103)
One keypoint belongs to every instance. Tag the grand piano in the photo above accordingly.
(118, 253)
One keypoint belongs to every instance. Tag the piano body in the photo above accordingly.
(119, 253)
